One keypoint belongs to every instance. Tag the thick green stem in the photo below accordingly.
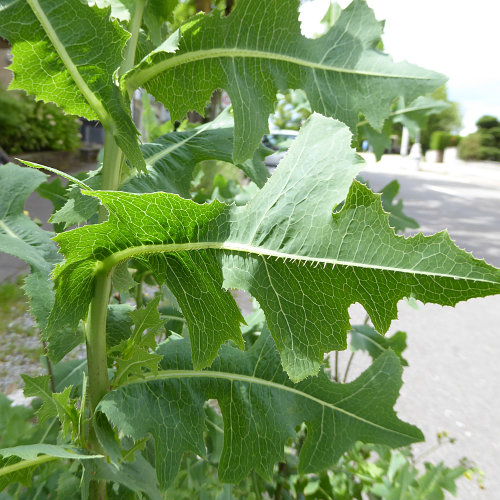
(134, 28)
(96, 341)
(96, 321)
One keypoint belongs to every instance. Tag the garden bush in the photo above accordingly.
(27, 125)
(440, 140)
(469, 147)
(168, 370)
(487, 122)
(483, 144)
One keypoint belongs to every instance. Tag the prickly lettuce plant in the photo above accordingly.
(310, 243)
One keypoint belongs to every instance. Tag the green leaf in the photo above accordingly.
(57, 194)
(19, 462)
(137, 476)
(22, 238)
(69, 373)
(261, 409)
(155, 13)
(303, 264)
(58, 58)
(134, 351)
(118, 324)
(15, 423)
(366, 338)
(414, 117)
(132, 366)
(79, 208)
(147, 318)
(171, 159)
(258, 50)
(397, 218)
(54, 404)
(379, 140)
(122, 280)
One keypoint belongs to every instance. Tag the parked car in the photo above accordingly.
(279, 141)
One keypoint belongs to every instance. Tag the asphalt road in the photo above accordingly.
(453, 381)
(468, 210)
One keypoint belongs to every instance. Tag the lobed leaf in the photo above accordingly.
(22, 238)
(19, 462)
(413, 116)
(261, 410)
(397, 218)
(304, 264)
(366, 338)
(66, 52)
(171, 159)
(258, 50)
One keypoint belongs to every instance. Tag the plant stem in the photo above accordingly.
(336, 375)
(96, 324)
(348, 366)
(96, 341)
(49, 368)
(134, 28)
(96, 321)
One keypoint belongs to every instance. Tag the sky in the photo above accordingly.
(456, 37)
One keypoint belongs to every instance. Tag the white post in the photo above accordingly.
(405, 142)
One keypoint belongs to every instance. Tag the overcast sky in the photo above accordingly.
(456, 37)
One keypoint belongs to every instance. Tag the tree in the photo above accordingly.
(145, 402)
(448, 120)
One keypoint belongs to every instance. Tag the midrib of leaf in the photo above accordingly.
(92, 99)
(47, 394)
(8, 230)
(236, 377)
(25, 464)
(77, 368)
(368, 339)
(142, 76)
(112, 260)
(151, 160)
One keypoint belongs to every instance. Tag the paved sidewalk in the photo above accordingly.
(487, 173)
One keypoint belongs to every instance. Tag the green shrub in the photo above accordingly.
(495, 131)
(483, 144)
(440, 140)
(28, 125)
(489, 153)
(469, 146)
(487, 139)
(487, 121)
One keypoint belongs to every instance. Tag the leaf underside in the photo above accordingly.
(303, 264)
(258, 50)
(22, 238)
(171, 159)
(261, 410)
